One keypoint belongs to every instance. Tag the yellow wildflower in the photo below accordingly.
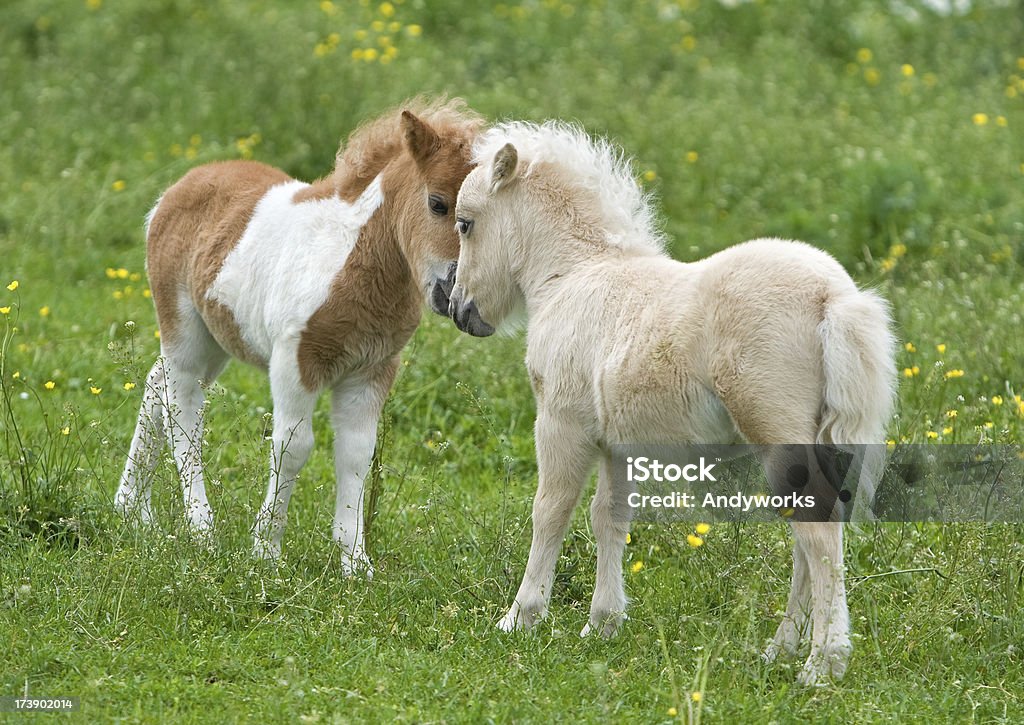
(694, 540)
(414, 30)
(629, 539)
(122, 273)
(49, 385)
(702, 528)
(66, 430)
(947, 430)
(951, 413)
(386, 9)
(13, 285)
(637, 566)
(118, 185)
(94, 390)
(864, 55)
(932, 435)
(979, 119)
(5, 310)
(370, 55)
(44, 311)
(907, 70)
(941, 348)
(1001, 121)
(955, 373)
(672, 712)
(696, 696)
(872, 76)
(909, 347)
(691, 157)
(129, 386)
(997, 400)
(17, 374)
(650, 175)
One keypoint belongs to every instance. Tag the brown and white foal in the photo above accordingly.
(320, 284)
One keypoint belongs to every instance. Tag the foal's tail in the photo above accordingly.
(860, 371)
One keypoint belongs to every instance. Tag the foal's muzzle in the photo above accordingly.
(466, 316)
(441, 292)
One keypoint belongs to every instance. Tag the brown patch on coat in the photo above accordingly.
(375, 300)
(199, 221)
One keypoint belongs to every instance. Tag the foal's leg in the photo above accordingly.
(356, 406)
(608, 606)
(292, 441)
(565, 455)
(818, 582)
(193, 360)
(794, 622)
(134, 492)
(830, 635)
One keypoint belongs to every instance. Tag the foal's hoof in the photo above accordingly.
(135, 513)
(608, 625)
(356, 564)
(830, 663)
(264, 550)
(200, 523)
(521, 618)
(776, 651)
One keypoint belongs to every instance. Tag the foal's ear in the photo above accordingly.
(503, 170)
(421, 140)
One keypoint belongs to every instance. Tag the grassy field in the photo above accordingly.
(892, 140)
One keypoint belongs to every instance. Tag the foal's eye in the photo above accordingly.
(437, 205)
(462, 226)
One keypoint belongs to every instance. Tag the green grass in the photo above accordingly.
(766, 119)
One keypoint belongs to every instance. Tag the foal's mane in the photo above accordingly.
(373, 143)
(596, 172)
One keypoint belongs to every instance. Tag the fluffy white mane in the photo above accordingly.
(593, 167)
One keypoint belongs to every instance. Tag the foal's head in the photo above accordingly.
(485, 291)
(424, 152)
(542, 199)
